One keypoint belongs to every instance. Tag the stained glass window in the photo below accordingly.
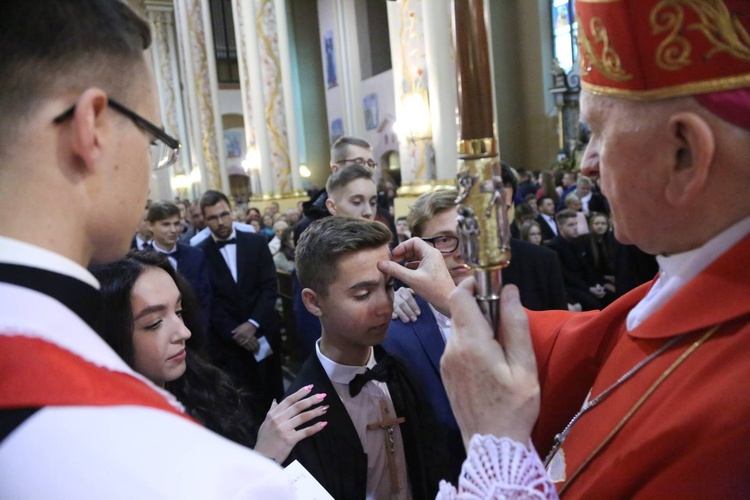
(564, 33)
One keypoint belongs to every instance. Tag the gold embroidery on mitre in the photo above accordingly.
(723, 31)
(609, 64)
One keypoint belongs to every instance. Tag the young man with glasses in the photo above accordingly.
(75, 420)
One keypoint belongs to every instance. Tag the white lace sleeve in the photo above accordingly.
(500, 468)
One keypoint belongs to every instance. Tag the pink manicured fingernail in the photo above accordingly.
(308, 387)
(324, 408)
(323, 424)
(322, 395)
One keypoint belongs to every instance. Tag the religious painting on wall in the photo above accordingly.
(331, 76)
(337, 129)
(371, 111)
(233, 140)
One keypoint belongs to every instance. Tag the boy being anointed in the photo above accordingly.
(380, 441)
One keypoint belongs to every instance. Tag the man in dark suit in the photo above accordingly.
(164, 224)
(244, 330)
(143, 235)
(582, 283)
(546, 217)
(380, 440)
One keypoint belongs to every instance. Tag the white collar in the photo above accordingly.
(342, 374)
(677, 270)
(160, 249)
(18, 252)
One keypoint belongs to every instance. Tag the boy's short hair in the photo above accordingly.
(564, 215)
(344, 176)
(162, 210)
(340, 147)
(428, 206)
(63, 47)
(326, 240)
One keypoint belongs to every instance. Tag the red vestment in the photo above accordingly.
(690, 437)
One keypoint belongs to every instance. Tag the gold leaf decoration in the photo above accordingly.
(608, 64)
(723, 31)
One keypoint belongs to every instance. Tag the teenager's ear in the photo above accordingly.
(696, 146)
(88, 126)
(331, 206)
(312, 304)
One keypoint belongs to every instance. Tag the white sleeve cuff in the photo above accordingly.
(500, 468)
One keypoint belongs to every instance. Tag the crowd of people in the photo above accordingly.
(158, 372)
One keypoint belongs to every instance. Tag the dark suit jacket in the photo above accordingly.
(598, 203)
(535, 270)
(420, 345)
(579, 276)
(191, 263)
(253, 296)
(547, 232)
(335, 457)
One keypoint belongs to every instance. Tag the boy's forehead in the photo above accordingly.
(361, 265)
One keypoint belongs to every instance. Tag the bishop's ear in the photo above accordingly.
(696, 146)
(312, 304)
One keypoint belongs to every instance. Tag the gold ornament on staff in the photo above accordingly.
(483, 228)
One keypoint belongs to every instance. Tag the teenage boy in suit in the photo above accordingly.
(380, 431)
(165, 227)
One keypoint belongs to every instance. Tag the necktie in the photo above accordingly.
(380, 372)
(221, 244)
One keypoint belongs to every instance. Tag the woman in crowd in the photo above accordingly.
(284, 258)
(602, 248)
(531, 232)
(149, 315)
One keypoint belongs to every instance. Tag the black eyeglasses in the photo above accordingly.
(446, 244)
(165, 149)
(370, 163)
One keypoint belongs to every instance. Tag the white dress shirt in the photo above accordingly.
(550, 222)
(443, 322)
(171, 258)
(229, 252)
(676, 270)
(364, 409)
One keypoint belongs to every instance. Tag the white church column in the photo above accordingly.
(174, 181)
(267, 99)
(200, 92)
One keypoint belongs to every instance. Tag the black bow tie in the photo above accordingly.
(381, 372)
(222, 243)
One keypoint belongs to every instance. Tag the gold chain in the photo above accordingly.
(639, 403)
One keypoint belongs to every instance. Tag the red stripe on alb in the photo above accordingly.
(36, 373)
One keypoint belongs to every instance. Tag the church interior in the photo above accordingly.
(258, 90)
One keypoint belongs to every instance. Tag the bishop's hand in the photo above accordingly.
(493, 389)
